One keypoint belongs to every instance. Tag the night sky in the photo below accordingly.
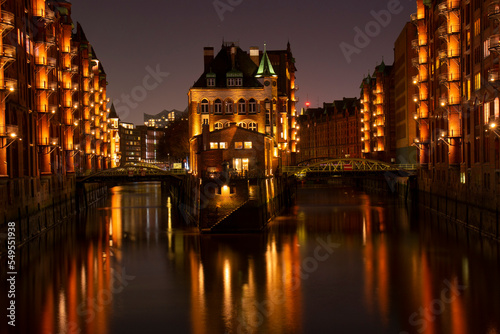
(134, 38)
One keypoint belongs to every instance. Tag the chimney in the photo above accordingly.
(205, 130)
(254, 54)
(208, 56)
(233, 56)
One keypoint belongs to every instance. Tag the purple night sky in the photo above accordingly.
(134, 38)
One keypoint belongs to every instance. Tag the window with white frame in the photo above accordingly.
(242, 106)
(252, 126)
(204, 106)
(242, 125)
(218, 106)
(218, 125)
(252, 106)
(229, 106)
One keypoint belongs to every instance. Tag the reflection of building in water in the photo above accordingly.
(255, 293)
(80, 300)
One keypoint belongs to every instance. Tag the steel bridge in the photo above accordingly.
(132, 172)
(344, 166)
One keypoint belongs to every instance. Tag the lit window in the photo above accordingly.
(214, 146)
(477, 81)
(248, 145)
(486, 113)
(252, 126)
(238, 145)
(222, 145)
(218, 125)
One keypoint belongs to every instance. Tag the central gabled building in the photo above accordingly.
(245, 90)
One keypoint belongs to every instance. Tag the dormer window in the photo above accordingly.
(235, 82)
(234, 78)
(210, 79)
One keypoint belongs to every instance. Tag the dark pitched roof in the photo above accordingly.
(222, 64)
(112, 112)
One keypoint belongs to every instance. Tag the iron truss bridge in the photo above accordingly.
(132, 172)
(344, 166)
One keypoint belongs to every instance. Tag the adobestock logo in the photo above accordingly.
(372, 29)
(127, 102)
(225, 6)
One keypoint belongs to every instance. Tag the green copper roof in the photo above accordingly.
(428, 3)
(234, 74)
(265, 68)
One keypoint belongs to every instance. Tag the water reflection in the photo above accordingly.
(339, 261)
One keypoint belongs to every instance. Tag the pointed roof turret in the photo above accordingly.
(112, 112)
(265, 68)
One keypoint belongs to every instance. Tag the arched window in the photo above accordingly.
(218, 125)
(242, 106)
(218, 106)
(252, 106)
(227, 124)
(252, 126)
(242, 125)
(229, 106)
(204, 106)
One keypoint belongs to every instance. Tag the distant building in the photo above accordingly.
(332, 131)
(405, 82)
(150, 145)
(130, 143)
(162, 119)
(255, 91)
(379, 124)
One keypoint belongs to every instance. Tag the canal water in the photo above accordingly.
(340, 261)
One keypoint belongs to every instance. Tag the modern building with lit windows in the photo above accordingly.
(254, 91)
(458, 107)
(162, 119)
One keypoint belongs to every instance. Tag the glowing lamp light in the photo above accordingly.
(11, 89)
(308, 104)
(493, 125)
(13, 135)
(225, 190)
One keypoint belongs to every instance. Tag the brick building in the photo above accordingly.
(244, 152)
(332, 131)
(458, 50)
(405, 88)
(255, 91)
(378, 109)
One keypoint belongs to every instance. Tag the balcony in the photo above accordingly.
(442, 32)
(73, 50)
(415, 45)
(415, 62)
(494, 10)
(50, 40)
(42, 85)
(414, 18)
(443, 8)
(50, 15)
(495, 43)
(443, 78)
(8, 84)
(7, 55)
(443, 54)
(493, 74)
(6, 22)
